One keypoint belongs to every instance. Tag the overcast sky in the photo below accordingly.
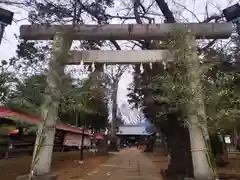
(8, 46)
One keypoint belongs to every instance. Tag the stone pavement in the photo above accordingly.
(128, 164)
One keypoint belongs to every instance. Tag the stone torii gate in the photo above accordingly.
(63, 36)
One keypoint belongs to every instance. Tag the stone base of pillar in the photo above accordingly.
(49, 176)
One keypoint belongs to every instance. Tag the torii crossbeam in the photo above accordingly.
(118, 56)
(126, 31)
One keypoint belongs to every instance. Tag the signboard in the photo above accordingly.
(232, 13)
(76, 140)
(227, 139)
(132, 130)
(6, 16)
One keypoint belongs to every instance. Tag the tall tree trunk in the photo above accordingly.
(77, 119)
(196, 114)
(42, 156)
(178, 142)
(236, 138)
(114, 111)
(94, 138)
(113, 141)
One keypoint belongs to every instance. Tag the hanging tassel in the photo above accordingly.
(104, 67)
(150, 65)
(93, 66)
(141, 68)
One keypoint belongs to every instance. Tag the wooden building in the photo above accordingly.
(133, 134)
(18, 134)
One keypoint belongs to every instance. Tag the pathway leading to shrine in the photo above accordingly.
(128, 164)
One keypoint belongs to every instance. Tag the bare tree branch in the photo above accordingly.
(166, 11)
(130, 17)
(136, 14)
(115, 44)
(213, 17)
(185, 8)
